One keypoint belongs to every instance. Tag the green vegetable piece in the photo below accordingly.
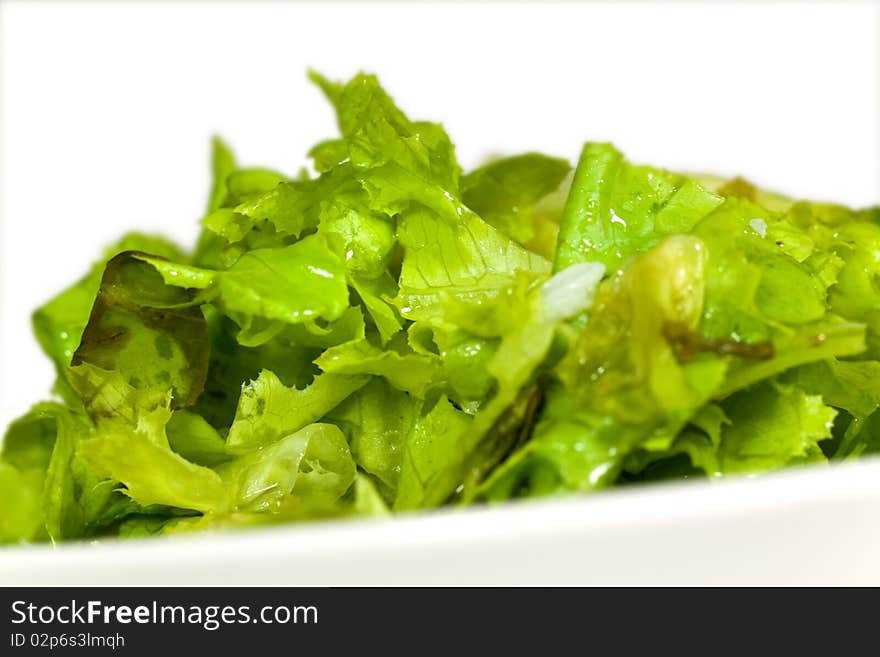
(268, 410)
(59, 324)
(312, 462)
(191, 436)
(293, 284)
(432, 447)
(146, 330)
(222, 165)
(504, 192)
(410, 372)
(20, 514)
(770, 426)
(377, 421)
(616, 209)
(152, 473)
(467, 260)
(37, 450)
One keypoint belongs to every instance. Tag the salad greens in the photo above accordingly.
(391, 333)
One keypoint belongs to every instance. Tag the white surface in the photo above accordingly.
(105, 115)
(819, 526)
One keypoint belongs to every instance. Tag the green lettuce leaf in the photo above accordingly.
(192, 437)
(21, 518)
(59, 324)
(147, 331)
(312, 462)
(505, 192)
(616, 209)
(768, 427)
(467, 261)
(411, 372)
(377, 422)
(432, 446)
(851, 387)
(269, 410)
(381, 138)
(505, 419)
(130, 444)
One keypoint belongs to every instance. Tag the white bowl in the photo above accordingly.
(809, 526)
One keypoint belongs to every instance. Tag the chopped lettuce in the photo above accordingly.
(392, 333)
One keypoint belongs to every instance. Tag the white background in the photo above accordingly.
(107, 110)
